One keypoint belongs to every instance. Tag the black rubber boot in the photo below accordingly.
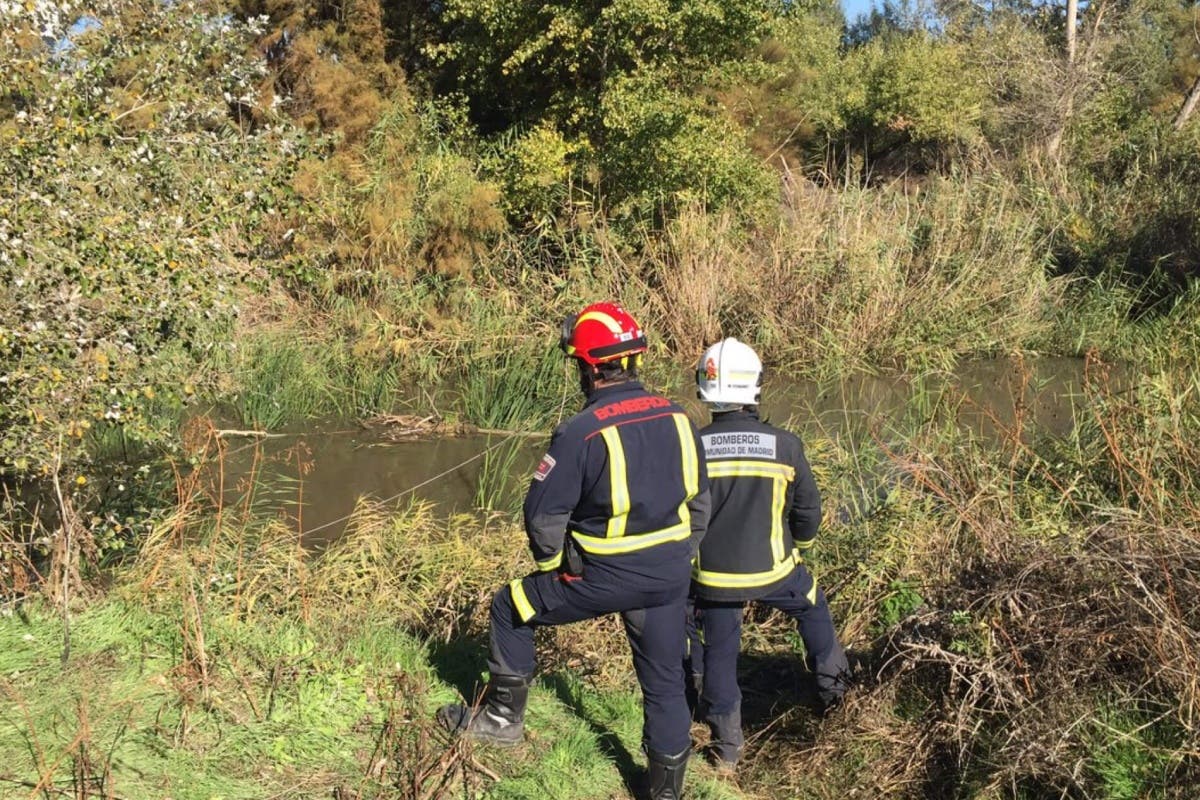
(832, 675)
(727, 741)
(500, 719)
(666, 775)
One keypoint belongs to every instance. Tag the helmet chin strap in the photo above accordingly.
(587, 378)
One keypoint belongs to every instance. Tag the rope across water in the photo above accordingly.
(423, 483)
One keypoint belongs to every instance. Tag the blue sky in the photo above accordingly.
(852, 8)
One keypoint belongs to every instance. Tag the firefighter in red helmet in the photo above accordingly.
(614, 514)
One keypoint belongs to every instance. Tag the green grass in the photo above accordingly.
(230, 668)
(1015, 601)
(281, 707)
(513, 389)
(1133, 754)
(291, 374)
(156, 725)
(502, 479)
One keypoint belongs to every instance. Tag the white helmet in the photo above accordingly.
(729, 375)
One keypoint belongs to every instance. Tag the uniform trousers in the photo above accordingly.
(652, 604)
(714, 652)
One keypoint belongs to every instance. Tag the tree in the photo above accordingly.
(1068, 83)
(524, 61)
(600, 73)
(1187, 45)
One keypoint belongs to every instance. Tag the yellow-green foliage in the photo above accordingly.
(420, 570)
(809, 92)
(951, 269)
(529, 61)
(926, 88)
(668, 148)
(622, 84)
(430, 575)
(538, 170)
(402, 201)
(138, 182)
(798, 93)
(1022, 83)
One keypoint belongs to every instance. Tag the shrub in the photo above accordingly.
(408, 199)
(145, 166)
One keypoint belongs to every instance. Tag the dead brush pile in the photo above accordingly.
(1055, 653)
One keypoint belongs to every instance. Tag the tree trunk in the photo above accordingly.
(1055, 142)
(1072, 20)
(1189, 105)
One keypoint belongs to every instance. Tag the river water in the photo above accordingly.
(315, 477)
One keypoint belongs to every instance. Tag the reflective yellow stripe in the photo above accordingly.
(750, 469)
(812, 594)
(685, 514)
(554, 562)
(778, 494)
(805, 545)
(691, 467)
(691, 463)
(619, 483)
(615, 539)
(602, 318)
(524, 607)
(628, 544)
(730, 580)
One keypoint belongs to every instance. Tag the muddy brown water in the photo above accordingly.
(315, 477)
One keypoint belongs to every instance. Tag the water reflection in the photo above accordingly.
(330, 471)
(315, 479)
(989, 398)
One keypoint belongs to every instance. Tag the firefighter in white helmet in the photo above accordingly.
(765, 513)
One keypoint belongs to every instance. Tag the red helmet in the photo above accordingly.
(601, 332)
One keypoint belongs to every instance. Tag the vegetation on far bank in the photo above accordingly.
(406, 187)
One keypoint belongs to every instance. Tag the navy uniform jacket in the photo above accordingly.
(765, 508)
(625, 477)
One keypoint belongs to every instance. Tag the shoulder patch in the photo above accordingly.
(543, 468)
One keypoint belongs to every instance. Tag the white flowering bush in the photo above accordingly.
(144, 170)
